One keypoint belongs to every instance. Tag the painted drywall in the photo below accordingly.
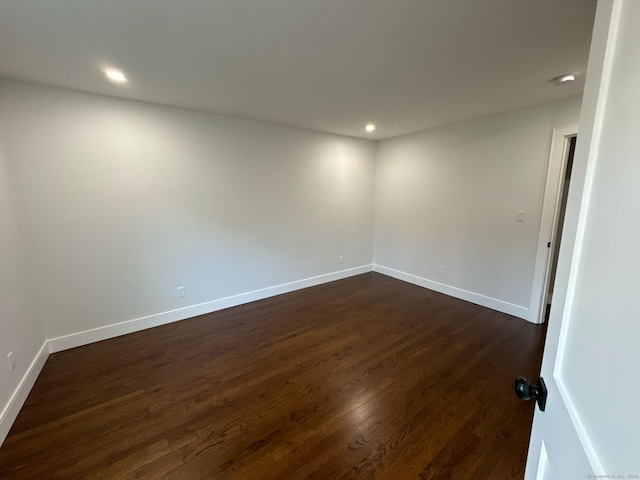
(449, 196)
(123, 202)
(21, 330)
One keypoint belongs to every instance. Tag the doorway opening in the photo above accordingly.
(557, 236)
(563, 146)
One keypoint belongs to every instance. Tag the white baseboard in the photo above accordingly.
(12, 408)
(478, 299)
(122, 328)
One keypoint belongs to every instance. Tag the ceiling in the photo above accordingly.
(327, 65)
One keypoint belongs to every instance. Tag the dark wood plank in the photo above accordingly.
(367, 377)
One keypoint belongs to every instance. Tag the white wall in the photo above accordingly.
(449, 197)
(21, 330)
(125, 201)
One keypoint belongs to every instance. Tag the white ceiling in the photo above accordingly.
(328, 65)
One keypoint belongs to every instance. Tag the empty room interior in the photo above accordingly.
(269, 239)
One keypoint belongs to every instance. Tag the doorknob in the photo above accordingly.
(525, 391)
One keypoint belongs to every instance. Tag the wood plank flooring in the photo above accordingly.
(367, 377)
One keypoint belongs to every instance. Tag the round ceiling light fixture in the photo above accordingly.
(564, 79)
(370, 127)
(115, 76)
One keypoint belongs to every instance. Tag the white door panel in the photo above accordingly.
(591, 363)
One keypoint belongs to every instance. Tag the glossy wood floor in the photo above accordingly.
(367, 377)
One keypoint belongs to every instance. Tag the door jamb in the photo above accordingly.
(560, 142)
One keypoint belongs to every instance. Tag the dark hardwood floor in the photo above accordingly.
(367, 377)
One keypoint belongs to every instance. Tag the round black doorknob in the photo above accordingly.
(525, 391)
(523, 388)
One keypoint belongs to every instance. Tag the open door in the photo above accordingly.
(590, 427)
(552, 219)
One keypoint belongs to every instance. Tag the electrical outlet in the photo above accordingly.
(181, 292)
(440, 270)
(340, 259)
(12, 362)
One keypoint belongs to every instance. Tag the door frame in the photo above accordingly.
(548, 230)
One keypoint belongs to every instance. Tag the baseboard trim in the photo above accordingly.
(122, 328)
(15, 403)
(478, 299)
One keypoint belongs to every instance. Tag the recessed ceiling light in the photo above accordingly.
(370, 127)
(564, 79)
(115, 76)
